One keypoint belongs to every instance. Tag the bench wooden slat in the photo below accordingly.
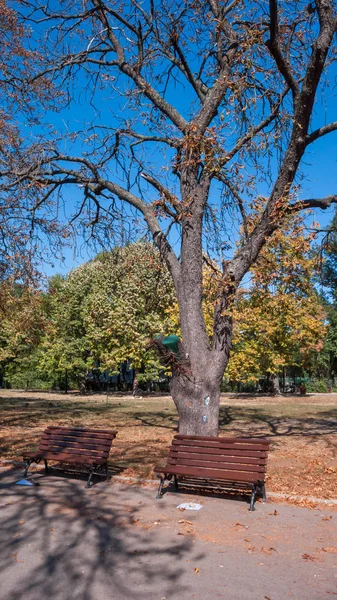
(221, 439)
(75, 451)
(79, 434)
(65, 457)
(221, 446)
(213, 473)
(218, 452)
(216, 459)
(75, 443)
(225, 466)
(81, 430)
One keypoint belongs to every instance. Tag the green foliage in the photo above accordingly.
(22, 322)
(105, 312)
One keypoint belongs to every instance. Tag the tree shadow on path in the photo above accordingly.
(62, 541)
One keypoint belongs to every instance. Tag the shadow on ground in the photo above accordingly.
(260, 423)
(62, 541)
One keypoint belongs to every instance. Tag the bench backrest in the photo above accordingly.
(240, 459)
(75, 441)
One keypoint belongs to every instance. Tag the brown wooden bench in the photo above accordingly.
(213, 462)
(74, 445)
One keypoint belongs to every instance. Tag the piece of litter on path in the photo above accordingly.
(189, 506)
(25, 482)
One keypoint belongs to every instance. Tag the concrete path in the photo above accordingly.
(60, 541)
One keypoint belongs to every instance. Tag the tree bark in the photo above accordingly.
(197, 403)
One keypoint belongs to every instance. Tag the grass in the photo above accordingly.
(303, 431)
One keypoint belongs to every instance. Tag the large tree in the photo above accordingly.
(200, 105)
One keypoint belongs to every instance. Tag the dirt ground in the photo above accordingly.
(303, 431)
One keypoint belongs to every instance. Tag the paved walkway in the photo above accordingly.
(60, 541)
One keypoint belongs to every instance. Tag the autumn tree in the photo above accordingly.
(198, 104)
(279, 317)
(325, 365)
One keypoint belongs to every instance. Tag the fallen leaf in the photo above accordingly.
(308, 557)
(21, 522)
(268, 550)
(196, 570)
(15, 556)
(330, 549)
(185, 522)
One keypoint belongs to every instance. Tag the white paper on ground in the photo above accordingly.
(190, 506)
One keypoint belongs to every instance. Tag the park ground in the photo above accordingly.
(60, 541)
(302, 431)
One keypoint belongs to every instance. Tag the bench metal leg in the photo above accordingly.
(27, 465)
(176, 485)
(91, 472)
(162, 480)
(252, 500)
(45, 467)
(264, 496)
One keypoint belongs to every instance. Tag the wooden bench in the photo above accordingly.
(213, 462)
(73, 445)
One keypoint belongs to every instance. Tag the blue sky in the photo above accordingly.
(319, 168)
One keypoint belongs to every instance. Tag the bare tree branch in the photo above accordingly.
(274, 47)
(322, 203)
(320, 132)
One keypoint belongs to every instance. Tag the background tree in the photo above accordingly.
(105, 312)
(225, 91)
(22, 324)
(279, 319)
(325, 364)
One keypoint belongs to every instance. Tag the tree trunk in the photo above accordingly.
(284, 379)
(197, 403)
(275, 384)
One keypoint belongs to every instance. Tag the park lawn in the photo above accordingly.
(302, 430)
